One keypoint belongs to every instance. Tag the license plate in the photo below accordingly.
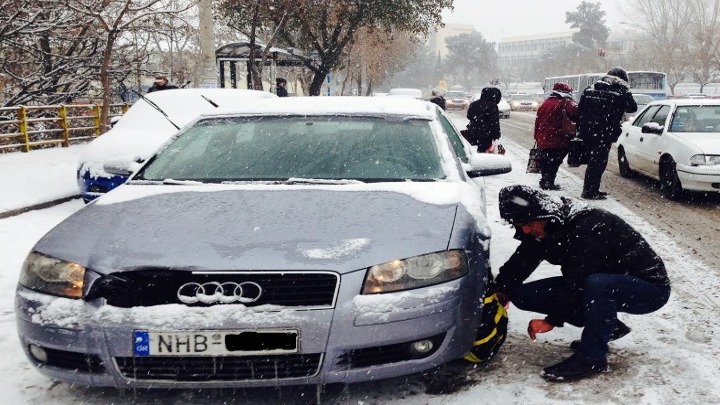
(214, 342)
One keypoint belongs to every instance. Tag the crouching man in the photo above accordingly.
(607, 267)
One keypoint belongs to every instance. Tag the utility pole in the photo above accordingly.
(208, 68)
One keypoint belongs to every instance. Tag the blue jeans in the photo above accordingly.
(595, 307)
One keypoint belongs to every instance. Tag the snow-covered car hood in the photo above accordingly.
(316, 229)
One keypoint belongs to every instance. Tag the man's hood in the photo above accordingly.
(520, 203)
(315, 229)
(609, 81)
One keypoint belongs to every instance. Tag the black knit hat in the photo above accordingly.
(519, 204)
(619, 72)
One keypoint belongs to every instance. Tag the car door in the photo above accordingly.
(630, 138)
(649, 145)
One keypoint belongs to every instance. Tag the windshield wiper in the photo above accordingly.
(155, 106)
(214, 104)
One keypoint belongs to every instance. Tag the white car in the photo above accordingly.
(504, 108)
(675, 141)
(143, 128)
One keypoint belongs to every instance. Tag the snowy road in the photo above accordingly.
(672, 355)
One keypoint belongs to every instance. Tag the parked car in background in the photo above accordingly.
(523, 102)
(150, 121)
(456, 100)
(676, 141)
(641, 100)
(406, 92)
(694, 95)
(288, 241)
(504, 108)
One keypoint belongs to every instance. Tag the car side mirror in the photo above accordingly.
(487, 164)
(652, 128)
(120, 167)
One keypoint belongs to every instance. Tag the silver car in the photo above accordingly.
(300, 241)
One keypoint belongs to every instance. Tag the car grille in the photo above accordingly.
(159, 287)
(219, 368)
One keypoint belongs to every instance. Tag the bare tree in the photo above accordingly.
(115, 18)
(667, 24)
(48, 52)
(704, 40)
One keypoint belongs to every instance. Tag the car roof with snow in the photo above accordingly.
(688, 101)
(333, 105)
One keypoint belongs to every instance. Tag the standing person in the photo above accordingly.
(161, 83)
(601, 110)
(484, 116)
(281, 89)
(553, 132)
(438, 99)
(607, 267)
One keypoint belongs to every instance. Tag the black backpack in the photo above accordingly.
(492, 331)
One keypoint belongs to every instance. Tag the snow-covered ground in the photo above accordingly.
(672, 355)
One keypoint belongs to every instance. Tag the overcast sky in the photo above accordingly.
(498, 19)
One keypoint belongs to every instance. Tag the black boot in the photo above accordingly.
(574, 367)
(620, 330)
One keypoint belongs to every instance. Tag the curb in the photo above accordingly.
(40, 206)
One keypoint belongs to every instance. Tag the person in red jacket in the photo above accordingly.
(554, 127)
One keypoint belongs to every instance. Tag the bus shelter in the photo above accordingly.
(233, 59)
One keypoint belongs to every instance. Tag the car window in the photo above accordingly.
(646, 116)
(316, 147)
(696, 119)
(661, 116)
(454, 138)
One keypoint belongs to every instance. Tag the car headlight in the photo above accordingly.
(705, 160)
(52, 276)
(415, 272)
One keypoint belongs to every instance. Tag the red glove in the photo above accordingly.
(538, 326)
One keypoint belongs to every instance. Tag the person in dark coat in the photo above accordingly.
(607, 267)
(484, 116)
(601, 110)
(161, 83)
(438, 99)
(552, 134)
(281, 89)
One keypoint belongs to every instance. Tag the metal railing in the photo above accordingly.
(23, 128)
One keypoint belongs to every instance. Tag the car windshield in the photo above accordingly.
(455, 94)
(696, 119)
(279, 148)
(519, 97)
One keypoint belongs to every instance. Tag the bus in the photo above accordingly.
(653, 84)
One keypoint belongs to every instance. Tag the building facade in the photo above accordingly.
(436, 39)
(517, 56)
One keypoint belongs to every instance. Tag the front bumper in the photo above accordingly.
(699, 178)
(362, 338)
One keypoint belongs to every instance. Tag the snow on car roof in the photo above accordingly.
(334, 105)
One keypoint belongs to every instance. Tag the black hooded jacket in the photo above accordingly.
(582, 240)
(601, 109)
(484, 116)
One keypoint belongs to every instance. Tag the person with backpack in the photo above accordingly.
(554, 127)
(484, 116)
(601, 110)
(607, 267)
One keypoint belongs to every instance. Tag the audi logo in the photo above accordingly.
(223, 293)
